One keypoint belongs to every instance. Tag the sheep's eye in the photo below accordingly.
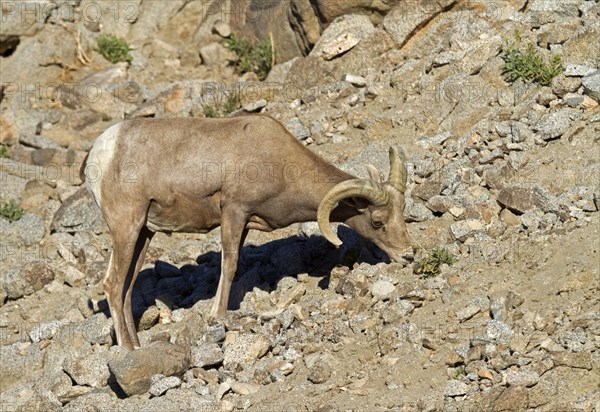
(377, 224)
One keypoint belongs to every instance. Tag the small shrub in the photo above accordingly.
(458, 372)
(223, 108)
(252, 57)
(113, 48)
(231, 104)
(524, 62)
(11, 211)
(210, 111)
(430, 266)
(3, 151)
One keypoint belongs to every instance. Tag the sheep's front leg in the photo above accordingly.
(233, 233)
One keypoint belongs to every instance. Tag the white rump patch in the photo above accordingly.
(100, 159)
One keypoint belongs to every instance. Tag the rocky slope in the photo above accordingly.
(505, 176)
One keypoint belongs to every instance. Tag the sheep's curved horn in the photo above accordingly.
(398, 172)
(368, 189)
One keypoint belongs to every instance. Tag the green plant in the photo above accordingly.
(11, 211)
(430, 266)
(113, 48)
(522, 61)
(210, 111)
(459, 371)
(252, 57)
(3, 151)
(231, 104)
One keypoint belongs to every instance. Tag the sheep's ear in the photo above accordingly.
(374, 173)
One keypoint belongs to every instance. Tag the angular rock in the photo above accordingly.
(342, 35)
(91, 370)
(221, 28)
(456, 388)
(554, 125)
(26, 280)
(206, 355)
(215, 54)
(246, 349)
(161, 384)
(382, 289)
(562, 85)
(466, 228)
(78, 213)
(135, 370)
(580, 360)
(591, 85)
(297, 128)
(398, 24)
(245, 389)
(518, 199)
(415, 211)
(523, 377)
(354, 80)
(319, 373)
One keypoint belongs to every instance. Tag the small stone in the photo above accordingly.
(581, 360)
(485, 374)
(255, 106)
(579, 70)
(523, 377)
(149, 318)
(291, 295)
(499, 305)
(246, 349)
(221, 28)
(467, 312)
(73, 276)
(206, 355)
(161, 384)
(46, 330)
(223, 388)
(498, 332)
(135, 369)
(562, 85)
(297, 128)
(319, 373)
(354, 80)
(509, 218)
(91, 370)
(456, 388)
(214, 334)
(591, 85)
(573, 99)
(339, 45)
(517, 199)
(588, 103)
(554, 125)
(245, 389)
(382, 289)
(466, 228)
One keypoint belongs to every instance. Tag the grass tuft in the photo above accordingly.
(11, 210)
(252, 57)
(430, 266)
(522, 61)
(113, 48)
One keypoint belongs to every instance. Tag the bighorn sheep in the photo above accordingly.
(242, 173)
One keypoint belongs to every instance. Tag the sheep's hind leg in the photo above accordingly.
(141, 247)
(125, 232)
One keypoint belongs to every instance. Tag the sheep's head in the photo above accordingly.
(380, 207)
